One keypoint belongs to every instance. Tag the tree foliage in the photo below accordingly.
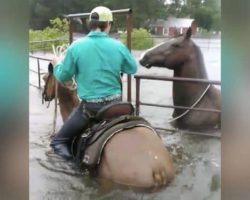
(43, 10)
(175, 9)
(140, 39)
(203, 18)
(56, 33)
(205, 12)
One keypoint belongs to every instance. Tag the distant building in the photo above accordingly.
(173, 26)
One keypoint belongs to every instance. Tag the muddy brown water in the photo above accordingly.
(197, 161)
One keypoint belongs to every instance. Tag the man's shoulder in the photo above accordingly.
(77, 44)
(117, 42)
(79, 41)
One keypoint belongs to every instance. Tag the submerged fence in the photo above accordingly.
(45, 45)
(38, 71)
(139, 103)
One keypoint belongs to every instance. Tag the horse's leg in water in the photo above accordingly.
(136, 157)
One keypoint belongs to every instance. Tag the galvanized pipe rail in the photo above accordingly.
(38, 58)
(45, 44)
(167, 78)
(84, 15)
(128, 12)
(52, 40)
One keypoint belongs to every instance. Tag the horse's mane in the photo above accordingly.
(200, 61)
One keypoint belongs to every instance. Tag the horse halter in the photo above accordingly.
(58, 51)
(44, 94)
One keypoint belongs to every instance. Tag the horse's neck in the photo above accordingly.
(67, 100)
(194, 68)
(185, 93)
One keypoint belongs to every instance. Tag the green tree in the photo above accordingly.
(208, 14)
(175, 8)
(141, 39)
(204, 18)
(194, 4)
(56, 33)
(143, 10)
(215, 8)
(205, 12)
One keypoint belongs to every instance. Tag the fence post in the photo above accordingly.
(129, 32)
(70, 31)
(39, 73)
(137, 100)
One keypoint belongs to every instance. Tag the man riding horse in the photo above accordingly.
(95, 62)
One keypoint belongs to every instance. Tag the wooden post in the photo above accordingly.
(129, 32)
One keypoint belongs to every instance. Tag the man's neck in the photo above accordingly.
(99, 30)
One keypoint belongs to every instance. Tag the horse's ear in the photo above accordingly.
(188, 33)
(50, 68)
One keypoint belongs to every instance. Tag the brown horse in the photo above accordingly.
(183, 56)
(133, 157)
(67, 97)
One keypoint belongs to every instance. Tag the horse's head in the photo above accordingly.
(50, 81)
(169, 54)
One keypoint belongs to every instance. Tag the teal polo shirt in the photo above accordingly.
(96, 62)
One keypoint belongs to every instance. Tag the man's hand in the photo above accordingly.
(56, 59)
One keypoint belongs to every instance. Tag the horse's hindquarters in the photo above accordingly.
(136, 157)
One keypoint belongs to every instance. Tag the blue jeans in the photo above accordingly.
(78, 121)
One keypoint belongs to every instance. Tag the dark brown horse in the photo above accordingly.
(184, 57)
(133, 157)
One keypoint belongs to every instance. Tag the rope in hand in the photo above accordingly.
(59, 51)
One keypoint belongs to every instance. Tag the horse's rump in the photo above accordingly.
(88, 148)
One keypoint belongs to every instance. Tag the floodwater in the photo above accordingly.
(197, 158)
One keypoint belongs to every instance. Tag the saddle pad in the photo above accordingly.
(92, 156)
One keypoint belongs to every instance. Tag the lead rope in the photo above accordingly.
(55, 110)
(58, 51)
(187, 111)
